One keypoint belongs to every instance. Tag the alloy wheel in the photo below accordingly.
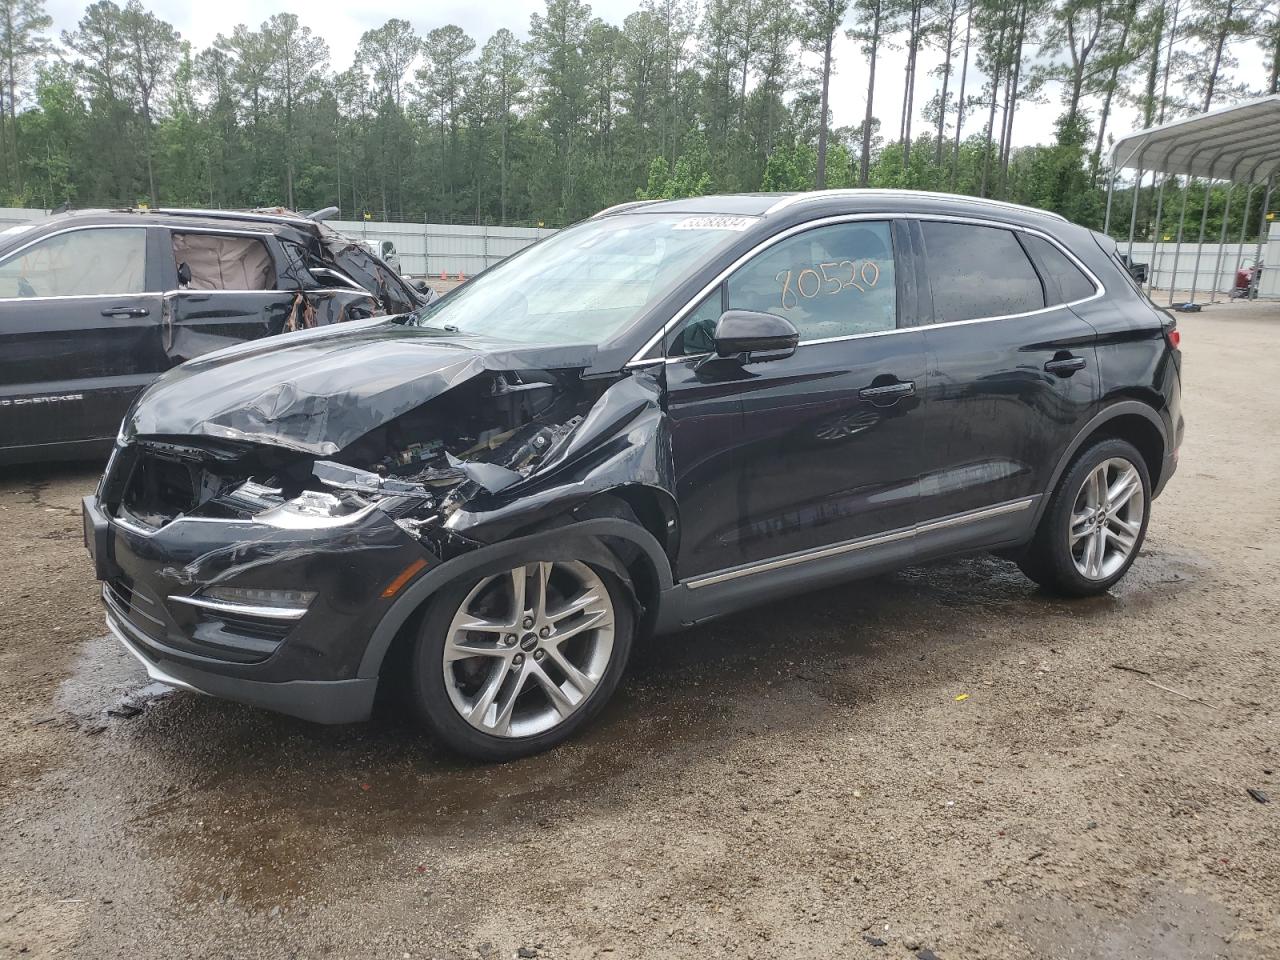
(527, 647)
(1106, 519)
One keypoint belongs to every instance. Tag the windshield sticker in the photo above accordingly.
(715, 223)
(827, 279)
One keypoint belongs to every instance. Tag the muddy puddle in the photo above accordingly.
(254, 810)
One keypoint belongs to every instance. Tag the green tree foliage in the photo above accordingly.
(682, 97)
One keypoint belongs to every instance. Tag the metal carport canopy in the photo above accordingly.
(1240, 143)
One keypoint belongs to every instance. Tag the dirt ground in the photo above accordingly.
(941, 760)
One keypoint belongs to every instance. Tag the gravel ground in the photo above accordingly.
(942, 760)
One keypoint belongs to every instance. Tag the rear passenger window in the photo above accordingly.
(220, 261)
(1072, 284)
(834, 281)
(978, 272)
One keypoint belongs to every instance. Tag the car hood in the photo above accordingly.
(321, 390)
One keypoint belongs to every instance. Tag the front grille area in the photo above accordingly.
(135, 606)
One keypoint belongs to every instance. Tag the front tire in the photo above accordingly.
(512, 664)
(1095, 522)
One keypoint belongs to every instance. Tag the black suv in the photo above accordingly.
(95, 304)
(668, 412)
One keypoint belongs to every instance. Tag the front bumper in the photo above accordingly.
(308, 667)
(320, 701)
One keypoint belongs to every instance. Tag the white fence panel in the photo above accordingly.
(429, 249)
(1215, 273)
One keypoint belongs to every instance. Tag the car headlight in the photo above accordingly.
(314, 508)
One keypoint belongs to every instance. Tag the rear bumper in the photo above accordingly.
(320, 701)
(1167, 468)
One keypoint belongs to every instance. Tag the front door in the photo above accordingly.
(227, 287)
(822, 447)
(79, 335)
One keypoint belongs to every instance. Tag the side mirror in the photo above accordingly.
(184, 275)
(755, 337)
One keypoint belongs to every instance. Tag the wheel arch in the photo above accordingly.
(647, 572)
(1130, 420)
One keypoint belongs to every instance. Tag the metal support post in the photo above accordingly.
(1111, 186)
(1262, 238)
(1177, 247)
(1133, 213)
(1155, 240)
(1222, 242)
(1204, 223)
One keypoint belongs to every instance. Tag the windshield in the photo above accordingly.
(587, 283)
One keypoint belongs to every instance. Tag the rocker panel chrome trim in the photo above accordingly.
(849, 546)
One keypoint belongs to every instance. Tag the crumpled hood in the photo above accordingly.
(319, 391)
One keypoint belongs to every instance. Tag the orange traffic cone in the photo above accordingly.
(461, 278)
(444, 275)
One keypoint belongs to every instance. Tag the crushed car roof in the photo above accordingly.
(171, 216)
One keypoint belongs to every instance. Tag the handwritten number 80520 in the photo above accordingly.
(826, 279)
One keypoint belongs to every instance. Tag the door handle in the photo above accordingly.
(890, 392)
(1065, 366)
(122, 313)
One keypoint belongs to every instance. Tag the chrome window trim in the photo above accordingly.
(848, 192)
(1100, 289)
(253, 233)
(347, 282)
(860, 543)
(76, 229)
(621, 207)
(178, 291)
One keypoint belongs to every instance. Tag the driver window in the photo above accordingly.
(834, 281)
(105, 261)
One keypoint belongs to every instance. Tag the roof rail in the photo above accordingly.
(262, 217)
(795, 198)
(620, 207)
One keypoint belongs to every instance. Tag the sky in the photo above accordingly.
(342, 23)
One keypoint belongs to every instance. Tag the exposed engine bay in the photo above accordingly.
(474, 441)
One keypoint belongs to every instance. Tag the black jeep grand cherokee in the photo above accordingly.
(95, 304)
(666, 413)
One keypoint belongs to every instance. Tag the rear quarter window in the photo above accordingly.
(977, 271)
(1071, 282)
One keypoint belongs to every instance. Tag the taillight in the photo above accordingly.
(1174, 337)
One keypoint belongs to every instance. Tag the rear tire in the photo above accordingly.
(512, 664)
(1095, 523)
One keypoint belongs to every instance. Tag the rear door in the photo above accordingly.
(80, 315)
(1013, 372)
(819, 448)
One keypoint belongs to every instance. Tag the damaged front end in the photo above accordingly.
(468, 466)
(276, 527)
